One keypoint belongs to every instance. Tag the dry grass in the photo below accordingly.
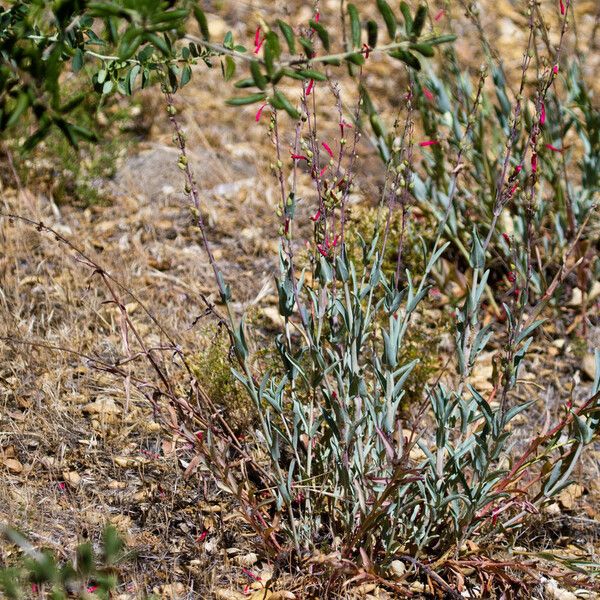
(78, 447)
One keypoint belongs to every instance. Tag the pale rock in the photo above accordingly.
(553, 592)
(104, 405)
(589, 366)
(13, 465)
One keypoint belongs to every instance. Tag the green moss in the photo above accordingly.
(212, 368)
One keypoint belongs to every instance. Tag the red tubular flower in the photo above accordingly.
(555, 69)
(250, 574)
(322, 250)
(542, 114)
(507, 238)
(310, 86)
(317, 17)
(428, 94)
(336, 240)
(512, 277)
(554, 148)
(343, 125)
(316, 216)
(366, 50)
(518, 169)
(534, 162)
(513, 189)
(257, 41)
(259, 112)
(299, 157)
(439, 15)
(322, 171)
(202, 536)
(562, 7)
(327, 149)
(428, 143)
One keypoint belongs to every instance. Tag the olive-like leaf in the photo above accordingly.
(243, 100)
(419, 21)
(259, 79)
(423, 49)
(354, 25)
(408, 20)
(388, 17)
(322, 33)
(288, 34)
(372, 31)
(406, 57)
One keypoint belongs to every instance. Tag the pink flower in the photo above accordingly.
(343, 125)
(534, 162)
(322, 250)
(257, 41)
(518, 169)
(555, 69)
(428, 143)
(439, 15)
(251, 574)
(366, 50)
(309, 87)
(428, 94)
(562, 7)
(259, 112)
(91, 589)
(202, 536)
(327, 149)
(507, 238)
(317, 17)
(512, 277)
(554, 148)
(322, 171)
(62, 486)
(542, 114)
(299, 157)
(316, 216)
(513, 189)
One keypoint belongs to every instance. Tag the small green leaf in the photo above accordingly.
(202, 22)
(186, 75)
(442, 39)
(20, 107)
(77, 63)
(248, 82)
(243, 100)
(354, 25)
(419, 21)
(309, 49)
(285, 103)
(259, 79)
(322, 33)
(406, 57)
(312, 74)
(356, 58)
(159, 42)
(288, 34)
(388, 17)
(372, 32)
(423, 49)
(228, 68)
(408, 20)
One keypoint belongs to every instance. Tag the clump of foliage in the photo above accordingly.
(41, 574)
(334, 463)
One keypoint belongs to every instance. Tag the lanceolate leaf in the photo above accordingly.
(388, 17)
(242, 100)
(354, 25)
